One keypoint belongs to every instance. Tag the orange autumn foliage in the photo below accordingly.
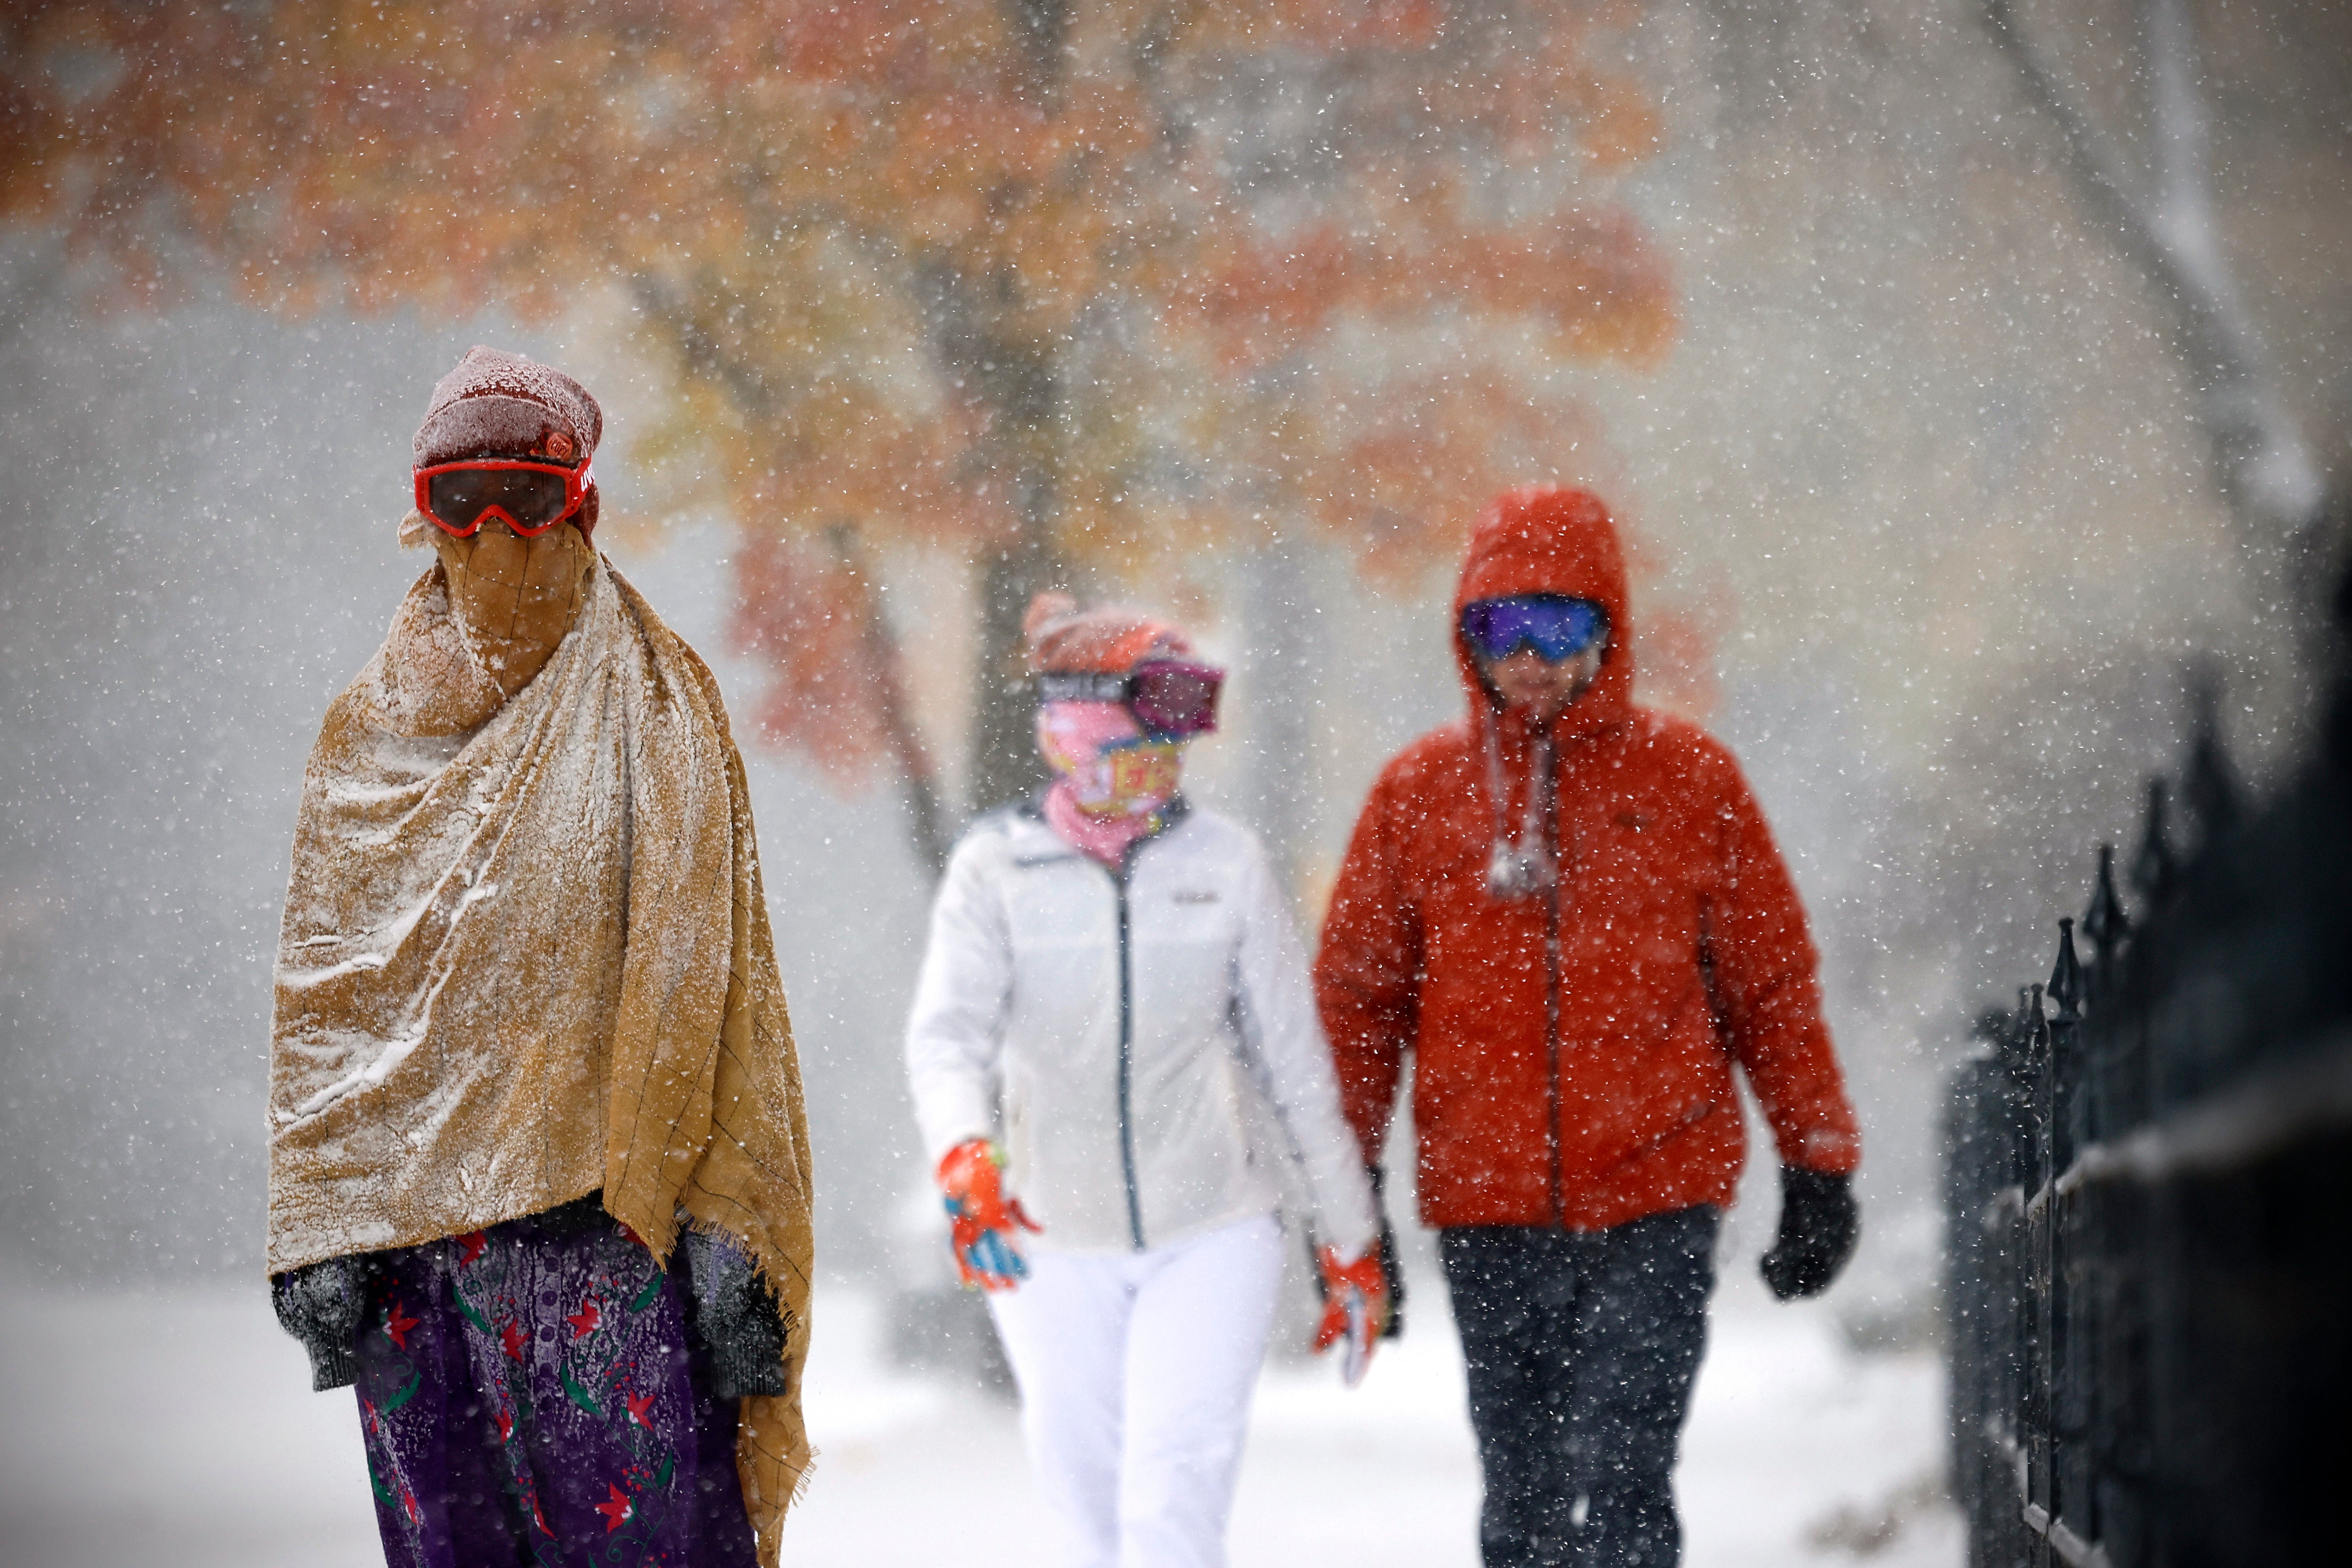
(1102, 280)
(804, 617)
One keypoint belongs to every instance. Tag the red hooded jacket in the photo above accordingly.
(1572, 1050)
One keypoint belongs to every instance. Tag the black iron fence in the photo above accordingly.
(2150, 1202)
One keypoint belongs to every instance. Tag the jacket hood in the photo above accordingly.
(1549, 539)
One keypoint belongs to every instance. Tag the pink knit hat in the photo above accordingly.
(1066, 640)
(503, 405)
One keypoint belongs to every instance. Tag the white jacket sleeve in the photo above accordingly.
(1283, 1036)
(957, 1030)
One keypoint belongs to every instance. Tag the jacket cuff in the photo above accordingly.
(945, 1135)
(1349, 1218)
(1825, 1149)
(1350, 1247)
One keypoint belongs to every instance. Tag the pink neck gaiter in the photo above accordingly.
(1111, 782)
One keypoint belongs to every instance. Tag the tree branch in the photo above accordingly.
(751, 392)
(2260, 463)
(704, 353)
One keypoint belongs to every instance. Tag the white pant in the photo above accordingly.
(1136, 1372)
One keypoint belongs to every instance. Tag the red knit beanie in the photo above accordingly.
(1066, 640)
(502, 404)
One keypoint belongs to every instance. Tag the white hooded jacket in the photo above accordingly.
(1125, 1036)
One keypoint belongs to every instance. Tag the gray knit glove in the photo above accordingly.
(735, 1315)
(322, 1304)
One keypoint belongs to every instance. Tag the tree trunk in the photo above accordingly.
(885, 666)
(1018, 383)
(1286, 660)
(1005, 766)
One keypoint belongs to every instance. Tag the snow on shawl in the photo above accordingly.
(526, 956)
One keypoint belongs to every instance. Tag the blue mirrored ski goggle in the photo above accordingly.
(1557, 627)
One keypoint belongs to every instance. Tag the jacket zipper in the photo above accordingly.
(1551, 787)
(1551, 1048)
(1126, 1060)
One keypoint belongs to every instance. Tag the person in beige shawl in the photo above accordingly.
(538, 1175)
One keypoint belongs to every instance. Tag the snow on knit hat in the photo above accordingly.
(501, 405)
(1066, 640)
(504, 404)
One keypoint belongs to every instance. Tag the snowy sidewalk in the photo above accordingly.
(179, 1428)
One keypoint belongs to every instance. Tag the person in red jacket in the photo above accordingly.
(1568, 910)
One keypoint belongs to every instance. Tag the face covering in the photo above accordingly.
(515, 597)
(1111, 782)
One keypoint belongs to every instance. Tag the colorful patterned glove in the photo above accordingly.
(985, 1224)
(1355, 1310)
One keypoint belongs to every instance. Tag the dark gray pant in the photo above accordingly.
(1580, 1347)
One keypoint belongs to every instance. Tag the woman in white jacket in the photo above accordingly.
(1112, 984)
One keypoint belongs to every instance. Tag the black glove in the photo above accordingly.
(322, 1305)
(1392, 1272)
(735, 1315)
(1819, 1225)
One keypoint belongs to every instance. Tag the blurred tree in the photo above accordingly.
(1060, 287)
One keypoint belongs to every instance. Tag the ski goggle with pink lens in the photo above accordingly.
(1557, 627)
(1170, 698)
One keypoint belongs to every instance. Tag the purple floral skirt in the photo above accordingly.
(529, 1396)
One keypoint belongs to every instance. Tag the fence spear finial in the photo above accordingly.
(2153, 869)
(2105, 921)
(2017, 1039)
(2067, 976)
(2210, 789)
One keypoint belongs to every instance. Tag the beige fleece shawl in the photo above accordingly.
(526, 956)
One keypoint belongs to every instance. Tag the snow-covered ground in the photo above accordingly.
(178, 1429)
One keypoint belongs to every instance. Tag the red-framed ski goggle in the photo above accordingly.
(1167, 697)
(531, 494)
